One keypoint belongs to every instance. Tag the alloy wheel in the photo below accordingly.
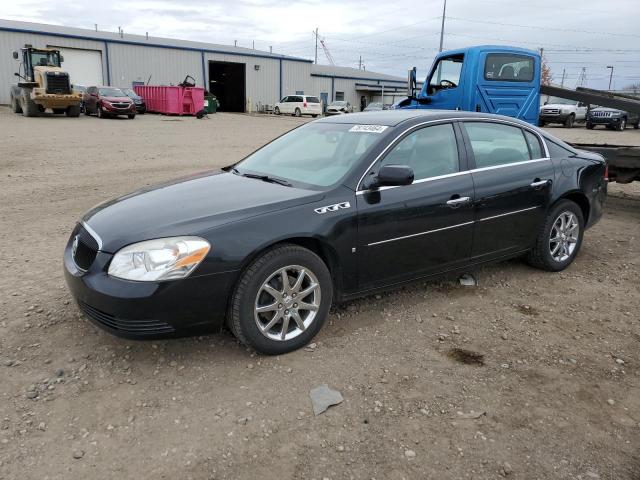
(564, 236)
(287, 303)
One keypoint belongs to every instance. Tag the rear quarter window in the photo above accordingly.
(508, 67)
(313, 100)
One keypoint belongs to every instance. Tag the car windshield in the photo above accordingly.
(339, 104)
(111, 92)
(45, 59)
(316, 155)
(129, 93)
(559, 101)
(374, 106)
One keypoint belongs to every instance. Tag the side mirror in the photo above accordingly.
(391, 176)
(15, 55)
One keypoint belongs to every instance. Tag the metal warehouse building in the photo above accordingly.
(242, 78)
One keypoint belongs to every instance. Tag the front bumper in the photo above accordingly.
(55, 100)
(110, 109)
(141, 107)
(559, 118)
(604, 120)
(334, 112)
(142, 310)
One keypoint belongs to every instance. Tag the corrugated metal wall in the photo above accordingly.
(11, 41)
(132, 63)
(125, 63)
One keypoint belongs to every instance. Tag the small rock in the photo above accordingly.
(8, 363)
(242, 421)
(32, 394)
(340, 448)
(504, 336)
(78, 454)
(410, 454)
(506, 469)
(59, 372)
(250, 366)
(42, 426)
(619, 361)
(418, 319)
(611, 401)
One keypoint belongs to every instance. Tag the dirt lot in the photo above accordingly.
(558, 396)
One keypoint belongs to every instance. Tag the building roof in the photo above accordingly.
(352, 73)
(113, 37)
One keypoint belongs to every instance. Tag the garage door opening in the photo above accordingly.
(227, 83)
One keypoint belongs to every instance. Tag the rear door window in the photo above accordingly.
(508, 67)
(496, 144)
(313, 100)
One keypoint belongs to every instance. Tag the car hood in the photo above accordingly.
(605, 109)
(558, 105)
(117, 99)
(189, 206)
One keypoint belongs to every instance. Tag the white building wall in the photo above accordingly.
(296, 77)
(13, 41)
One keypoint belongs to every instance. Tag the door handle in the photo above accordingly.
(456, 202)
(539, 183)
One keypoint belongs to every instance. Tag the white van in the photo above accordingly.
(298, 105)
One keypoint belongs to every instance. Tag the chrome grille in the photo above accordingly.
(551, 111)
(601, 114)
(84, 248)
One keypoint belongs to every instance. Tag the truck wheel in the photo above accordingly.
(559, 238)
(59, 111)
(73, 111)
(622, 125)
(281, 300)
(590, 126)
(542, 124)
(29, 107)
(636, 125)
(15, 105)
(568, 123)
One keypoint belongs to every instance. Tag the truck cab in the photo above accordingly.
(486, 78)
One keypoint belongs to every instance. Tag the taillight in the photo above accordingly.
(304, 104)
(606, 173)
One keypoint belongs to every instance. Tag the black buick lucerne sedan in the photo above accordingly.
(334, 209)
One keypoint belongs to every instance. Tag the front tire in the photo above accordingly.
(297, 112)
(622, 125)
(559, 239)
(568, 123)
(73, 111)
(29, 107)
(131, 116)
(281, 301)
(101, 113)
(276, 111)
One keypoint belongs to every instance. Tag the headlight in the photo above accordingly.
(161, 259)
(564, 110)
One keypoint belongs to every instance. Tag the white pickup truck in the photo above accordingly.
(562, 110)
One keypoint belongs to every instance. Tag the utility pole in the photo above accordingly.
(360, 63)
(564, 70)
(444, 12)
(235, 43)
(610, 75)
(316, 32)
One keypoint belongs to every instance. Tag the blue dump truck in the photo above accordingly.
(485, 78)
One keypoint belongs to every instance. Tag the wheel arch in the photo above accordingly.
(581, 200)
(317, 245)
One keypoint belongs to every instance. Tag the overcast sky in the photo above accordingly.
(390, 36)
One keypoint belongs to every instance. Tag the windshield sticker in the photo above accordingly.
(368, 128)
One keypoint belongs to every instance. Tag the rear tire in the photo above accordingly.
(297, 112)
(636, 125)
(262, 286)
(557, 255)
(276, 111)
(568, 123)
(132, 116)
(73, 111)
(15, 105)
(314, 116)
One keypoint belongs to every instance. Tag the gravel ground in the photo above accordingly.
(556, 395)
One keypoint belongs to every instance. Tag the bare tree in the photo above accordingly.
(546, 76)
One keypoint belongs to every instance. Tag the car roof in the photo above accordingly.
(391, 118)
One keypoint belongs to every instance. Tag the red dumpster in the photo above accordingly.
(172, 100)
